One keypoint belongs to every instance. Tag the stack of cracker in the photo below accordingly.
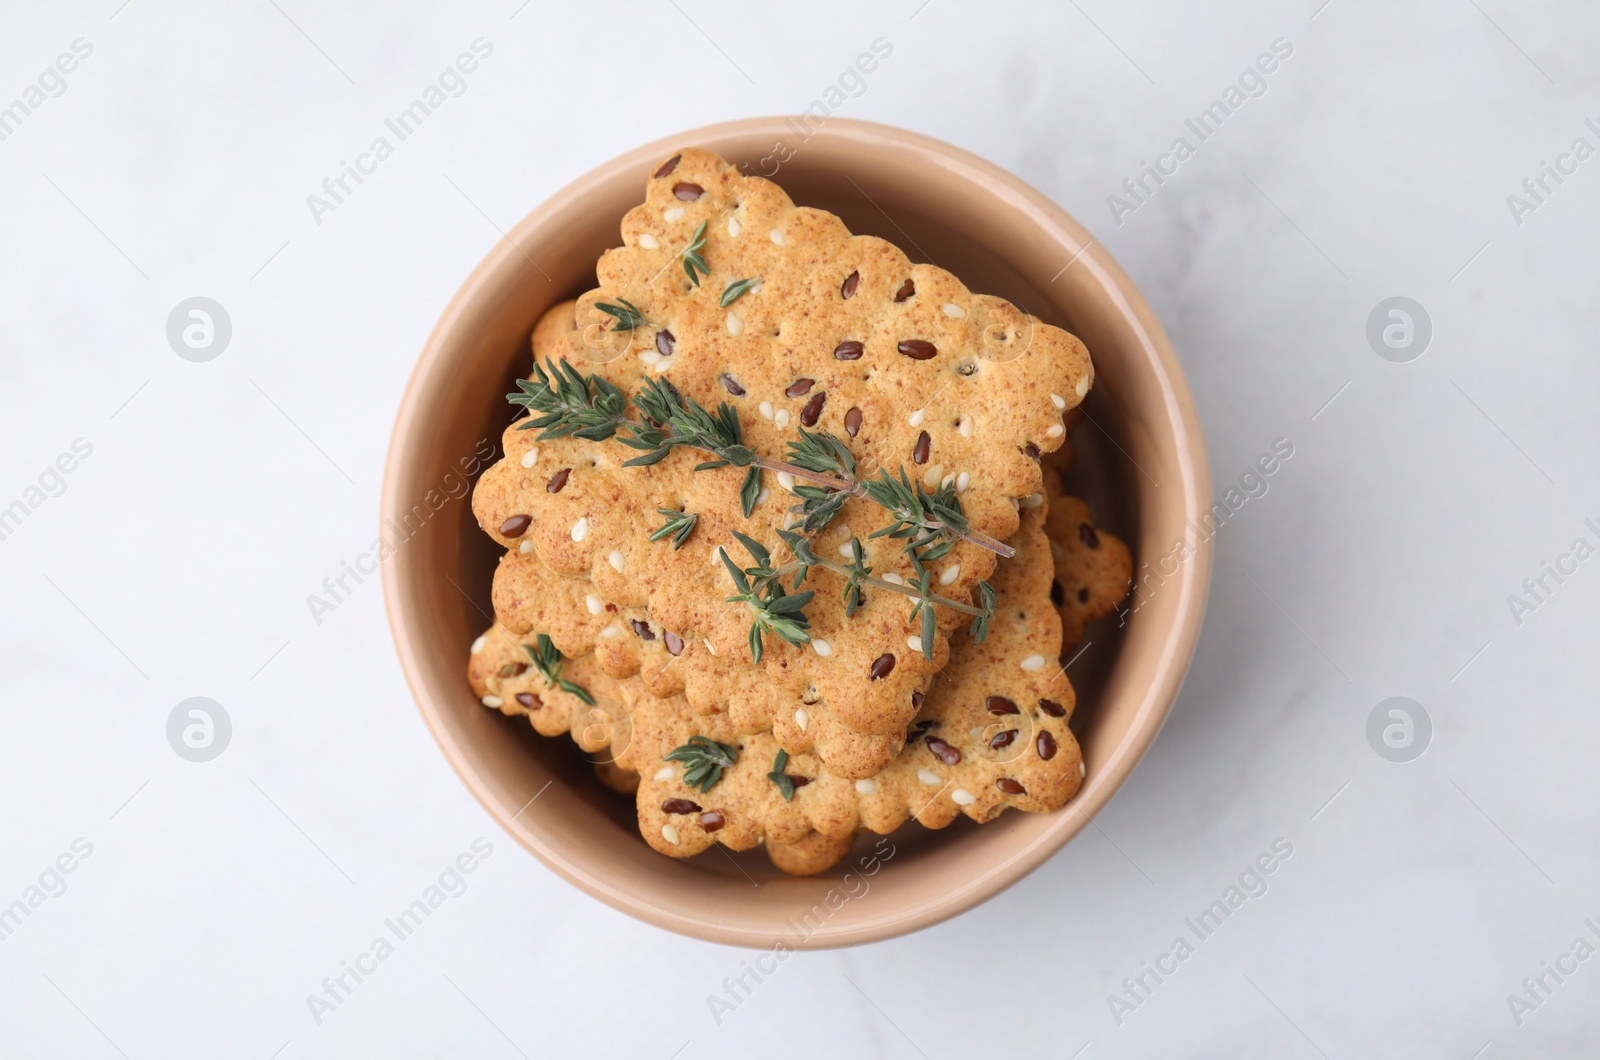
(780, 544)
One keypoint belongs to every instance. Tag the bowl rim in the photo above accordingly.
(1189, 588)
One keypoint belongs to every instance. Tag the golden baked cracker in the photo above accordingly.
(1094, 569)
(811, 856)
(982, 408)
(992, 732)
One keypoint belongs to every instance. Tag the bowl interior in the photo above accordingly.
(941, 206)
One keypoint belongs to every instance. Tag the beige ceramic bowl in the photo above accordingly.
(1141, 463)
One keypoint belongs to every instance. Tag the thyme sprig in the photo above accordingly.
(731, 293)
(857, 574)
(628, 315)
(924, 518)
(772, 610)
(694, 263)
(570, 403)
(547, 659)
(679, 526)
(779, 777)
(703, 760)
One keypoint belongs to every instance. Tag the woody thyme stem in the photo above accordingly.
(903, 590)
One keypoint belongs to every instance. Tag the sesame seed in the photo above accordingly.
(611, 632)
(916, 418)
(965, 427)
(802, 719)
(594, 604)
(845, 551)
(1032, 500)
(525, 546)
(673, 213)
(931, 477)
(951, 573)
(531, 457)
(648, 241)
(733, 226)
(777, 237)
(492, 701)
(914, 643)
(765, 408)
(867, 787)
(735, 323)
(712, 648)
(616, 559)
(1083, 386)
(822, 648)
(670, 834)
(761, 498)
(928, 777)
(781, 417)
(1058, 401)
(786, 480)
(954, 311)
(1033, 662)
(664, 773)
(963, 797)
(1055, 431)
(963, 480)
(665, 363)
(650, 357)
(842, 530)
(477, 645)
(1083, 770)
(716, 557)
(894, 579)
(580, 529)
(947, 482)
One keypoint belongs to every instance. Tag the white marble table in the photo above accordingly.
(206, 500)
